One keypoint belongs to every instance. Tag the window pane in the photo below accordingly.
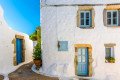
(87, 21)
(82, 15)
(87, 15)
(79, 58)
(79, 51)
(115, 21)
(108, 21)
(108, 52)
(83, 58)
(114, 14)
(82, 21)
(108, 14)
(83, 51)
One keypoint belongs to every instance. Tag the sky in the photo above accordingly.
(22, 15)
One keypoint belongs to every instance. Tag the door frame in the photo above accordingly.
(86, 60)
(90, 60)
(15, 52)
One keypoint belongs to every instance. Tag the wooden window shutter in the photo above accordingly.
(119, 17)
(104, 18)
(93, 17)
(78, 19)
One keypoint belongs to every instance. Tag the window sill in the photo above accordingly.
(109, 62)
(113, 27)
(106, 61)
(87, 27)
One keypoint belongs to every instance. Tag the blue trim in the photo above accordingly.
(18, 51)
(82, 67)
(111, 11)
(63, 46)
(110, 51)
(84, 12)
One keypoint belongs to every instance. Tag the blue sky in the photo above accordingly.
(22, 15)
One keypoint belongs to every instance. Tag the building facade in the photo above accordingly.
(81, 38)
(16, 48)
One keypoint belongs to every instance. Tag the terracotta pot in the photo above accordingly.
(111, 61)
(38, 64)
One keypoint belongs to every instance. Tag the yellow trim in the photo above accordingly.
(85, 8)
(89, 54)
(23, 48)
(113, 27)
(110, 45)
(112, 7)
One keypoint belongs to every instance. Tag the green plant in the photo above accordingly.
(37, 51)
(33, 36)
(111, 58)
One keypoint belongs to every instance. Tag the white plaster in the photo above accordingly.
(80, 2)
(7, 48)
(34, 43)
(59, 23)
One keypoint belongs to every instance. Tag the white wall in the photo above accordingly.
(59, 23)
(34, 43)
(82, 2)
(7, 48)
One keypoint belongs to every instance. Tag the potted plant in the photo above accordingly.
(37, 56)
(106, 59)
(111, 60)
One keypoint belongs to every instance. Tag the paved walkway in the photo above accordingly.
(25, 73)
(1, 77)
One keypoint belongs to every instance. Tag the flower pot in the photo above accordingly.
(111, 61)
(38, 64)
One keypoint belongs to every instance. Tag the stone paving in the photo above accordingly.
(25, 73)
(1, 77)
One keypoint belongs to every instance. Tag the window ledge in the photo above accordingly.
(113, 27)
(106, 61)
(87, 27)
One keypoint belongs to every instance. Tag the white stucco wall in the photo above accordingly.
(7, 48)
(34, 43)
(81, 2)
(59, 23)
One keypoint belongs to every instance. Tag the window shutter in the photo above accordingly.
(77, 19)
(92, 17)
(63, 46)
(119, 17)
(104, 18)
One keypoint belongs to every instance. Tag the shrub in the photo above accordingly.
(37, 51)
(111, 58)
(33, 36)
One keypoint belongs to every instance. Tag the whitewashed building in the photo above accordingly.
(15, 47)
(81, 38)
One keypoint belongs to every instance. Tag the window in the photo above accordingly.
(85, 18)
(108, 51)
(63, 46)
(112, 17)
(109, 55)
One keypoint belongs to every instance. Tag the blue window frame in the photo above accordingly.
(63, 46)
(85, 18)
(112, 18)
(108, 51)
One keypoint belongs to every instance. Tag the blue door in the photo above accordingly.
(82, 59)
(19, 50)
